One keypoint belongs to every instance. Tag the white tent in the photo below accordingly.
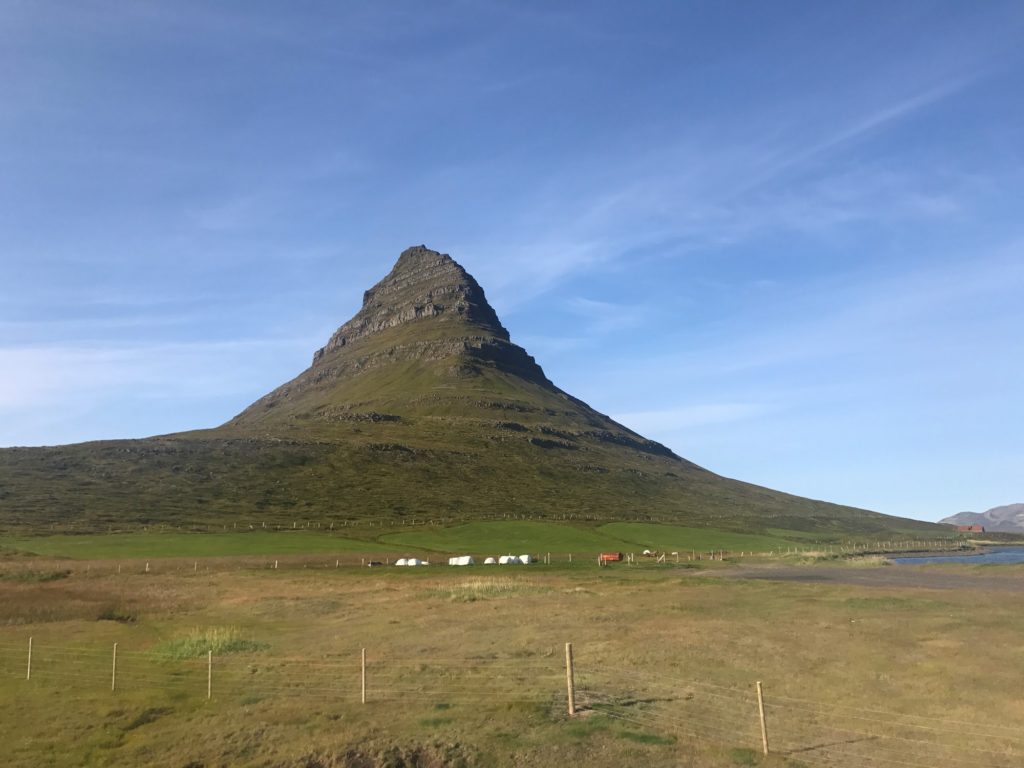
(526, 559)
(461, 560)
(401, 561)
(490, 561)
(508, 560)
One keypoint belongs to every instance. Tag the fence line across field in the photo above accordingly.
(665, 680)
(151, 565)
(814, 732)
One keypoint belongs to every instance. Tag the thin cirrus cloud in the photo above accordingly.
(782, 161)
(41, 375)
(668, 422)
(710, 197)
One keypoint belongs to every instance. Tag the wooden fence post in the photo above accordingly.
(113, 670)
(209, 675)
(362, 676)
(760, 712)
(28, 673)
(570, 682)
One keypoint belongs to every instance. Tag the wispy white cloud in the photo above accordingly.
(672, 420)
(807, 174)
(783, 160)
(47, 376)
(514, 273)
(604, 317)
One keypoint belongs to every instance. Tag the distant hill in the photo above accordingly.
(1005, 519)
(419, 407)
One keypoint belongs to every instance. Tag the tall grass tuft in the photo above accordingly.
(868, 561)
(201, 640)
(472, 590)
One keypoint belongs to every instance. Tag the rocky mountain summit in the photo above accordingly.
(1005, 519)
(422, 284)
(419, 407)
(426, 309)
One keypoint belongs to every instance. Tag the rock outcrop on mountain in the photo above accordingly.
(1005, 519)
(419, 407)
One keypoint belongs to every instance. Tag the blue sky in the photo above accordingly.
(785, 239)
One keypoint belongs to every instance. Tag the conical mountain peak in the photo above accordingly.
(420, 406)
(423, 284)
(426, 324)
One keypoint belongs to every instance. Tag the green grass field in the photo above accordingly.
(171, 544)
(499, 537)
(525, 536)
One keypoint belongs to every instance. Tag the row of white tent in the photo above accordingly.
(468, 560)
(503, 560)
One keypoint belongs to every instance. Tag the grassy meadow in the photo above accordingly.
(480, 538)
(467, 666)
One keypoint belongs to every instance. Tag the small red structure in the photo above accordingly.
(611, 557)
(970, 529)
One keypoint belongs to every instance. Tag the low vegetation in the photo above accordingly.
(200, 641)
(480, 537)
(470, 590)
(466, 666)
(31, 575)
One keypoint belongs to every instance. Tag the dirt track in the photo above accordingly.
(926, 577)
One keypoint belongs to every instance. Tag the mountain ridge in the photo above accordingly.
(1008, 518)
(419, 405)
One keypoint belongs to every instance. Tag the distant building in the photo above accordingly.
(970, 529)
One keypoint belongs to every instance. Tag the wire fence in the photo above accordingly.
(813, 732)
(675, 709)
(351, 525)
(165, 565)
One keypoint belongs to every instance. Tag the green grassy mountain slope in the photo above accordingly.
(419, 407)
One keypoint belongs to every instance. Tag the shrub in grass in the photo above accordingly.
(868, 561)
(436, 722)
(147, 716)
(118, 614)
(34, 576)
(199, 641)
(743, 756)
(472, 590)
(646, 738)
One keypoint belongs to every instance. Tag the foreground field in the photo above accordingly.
(467, 667)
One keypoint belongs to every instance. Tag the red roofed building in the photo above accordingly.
(970, 529)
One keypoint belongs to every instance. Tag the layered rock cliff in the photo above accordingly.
(426, 310)
(422, 284)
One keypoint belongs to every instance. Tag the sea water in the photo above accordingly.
(991, 555)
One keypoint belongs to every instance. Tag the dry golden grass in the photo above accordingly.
(469, 669)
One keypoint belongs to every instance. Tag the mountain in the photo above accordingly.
(1005, 519)
(420, 406)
